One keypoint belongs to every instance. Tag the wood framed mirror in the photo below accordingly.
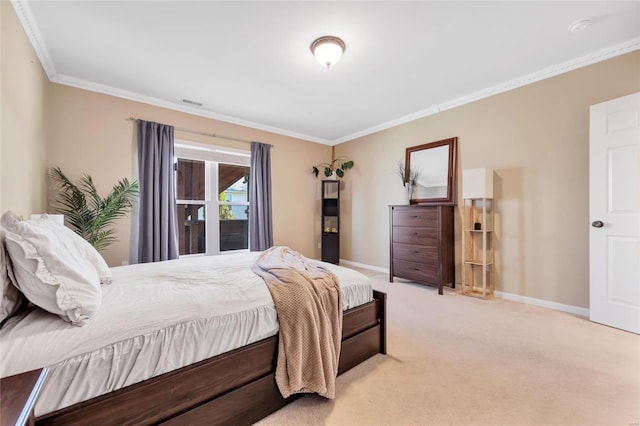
(436, 163)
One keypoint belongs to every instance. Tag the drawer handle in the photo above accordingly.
(413, 217)
(415, 233)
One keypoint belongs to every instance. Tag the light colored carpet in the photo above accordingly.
(457, 360)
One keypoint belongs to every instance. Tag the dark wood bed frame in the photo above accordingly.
(237, 387)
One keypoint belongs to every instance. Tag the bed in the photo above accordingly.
(175, 343)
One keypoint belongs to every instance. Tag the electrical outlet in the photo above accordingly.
(319, 245)
(124, 263)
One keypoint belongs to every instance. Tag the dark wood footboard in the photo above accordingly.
(237, 387)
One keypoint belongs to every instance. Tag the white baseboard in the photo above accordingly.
(363, 266)
(576, 310)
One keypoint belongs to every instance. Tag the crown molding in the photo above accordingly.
(26, 19)
(33, 34)
(387, 125)
(543, 74)
(29, 24)
(561, 68)
(175, 106)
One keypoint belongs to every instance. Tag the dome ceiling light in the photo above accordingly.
(579, 25)
(328, 50)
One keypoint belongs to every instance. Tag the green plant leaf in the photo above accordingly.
(89, 215)
(328, 168)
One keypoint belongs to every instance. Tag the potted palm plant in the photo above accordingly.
(86, 212)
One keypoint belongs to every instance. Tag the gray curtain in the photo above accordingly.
(158, 229)
(260, 224)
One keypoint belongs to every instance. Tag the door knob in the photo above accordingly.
(597, 224)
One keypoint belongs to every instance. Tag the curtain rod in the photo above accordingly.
(195, 132)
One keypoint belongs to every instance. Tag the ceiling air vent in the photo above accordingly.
(194, 103)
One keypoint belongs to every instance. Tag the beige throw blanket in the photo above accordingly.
(309, 306)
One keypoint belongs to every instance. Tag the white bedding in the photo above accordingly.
(154, 318)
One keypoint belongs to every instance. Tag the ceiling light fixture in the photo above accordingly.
(328, 50)
(579, 25)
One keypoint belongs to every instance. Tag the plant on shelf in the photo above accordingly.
(338, 165)
(88, 214)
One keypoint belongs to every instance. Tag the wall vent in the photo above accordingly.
(187, 101)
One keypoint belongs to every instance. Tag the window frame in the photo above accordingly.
(212, 155)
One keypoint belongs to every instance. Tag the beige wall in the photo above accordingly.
(23, 144)
(536, 138)
(87, 132)
(90, 133)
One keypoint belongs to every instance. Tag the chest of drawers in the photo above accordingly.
(421, 244)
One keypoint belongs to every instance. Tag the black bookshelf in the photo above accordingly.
(331, 221)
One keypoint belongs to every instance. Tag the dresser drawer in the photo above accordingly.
(422, 244)
(427, 237)
(414, 253)
(415, 216)
(422, 272)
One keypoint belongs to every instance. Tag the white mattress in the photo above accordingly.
(154, 318)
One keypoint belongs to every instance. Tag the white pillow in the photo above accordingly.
(88, 251)
(54, 267)
(11, 297)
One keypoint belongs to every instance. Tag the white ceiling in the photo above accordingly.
(250, 63)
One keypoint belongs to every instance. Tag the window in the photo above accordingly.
(212, 198)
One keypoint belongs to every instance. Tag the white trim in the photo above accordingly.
(175, 106)
(552, 71)
(212, 208)
(198, 146)
(363, 266)
(212, 159)
(203, 152)
(561, 68)
(33, 34)
(28, 23)
(389, 124)
(576, 310)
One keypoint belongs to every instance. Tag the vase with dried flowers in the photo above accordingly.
(409, 178)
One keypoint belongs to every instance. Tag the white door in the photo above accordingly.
(614, 197)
